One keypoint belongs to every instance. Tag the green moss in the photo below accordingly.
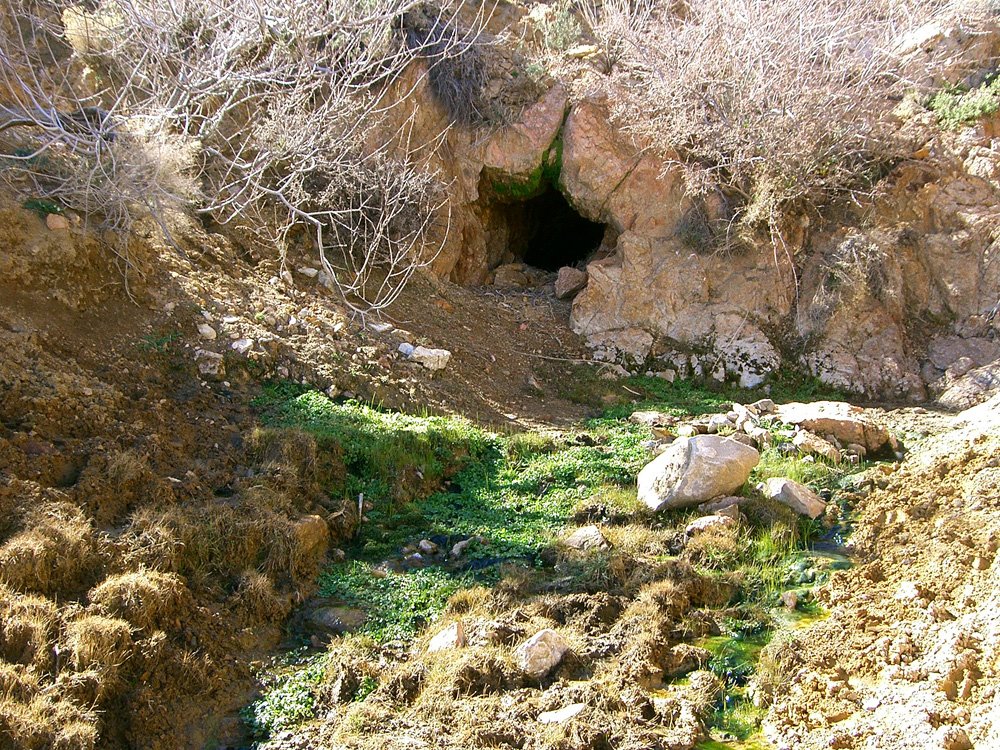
(542, 178)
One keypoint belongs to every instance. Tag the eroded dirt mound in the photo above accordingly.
(908, 657)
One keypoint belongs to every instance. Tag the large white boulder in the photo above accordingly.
(694, 470)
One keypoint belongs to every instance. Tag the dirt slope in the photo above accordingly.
(909, 655)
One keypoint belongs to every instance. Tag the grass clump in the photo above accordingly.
(957, 107)
(387, 456)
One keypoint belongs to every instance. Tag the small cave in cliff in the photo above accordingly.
(553, 234)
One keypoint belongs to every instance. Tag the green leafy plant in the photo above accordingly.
(398, 605)
(957, 107)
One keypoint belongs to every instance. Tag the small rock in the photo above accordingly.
(796, 496)
(432, 359)
(308, 272)
(207, 332)
(451, 637)
(669, 375)
(242, 346)
(652, 418)
(540, 654)
(570, 281)
(459, 547)
(406, 349)
(427, 547)
(789, 599)
(587, 538)
(722, 505)
(57, 223)
(870, 704)
(764, 406)
(560, 715)
(380, 327)
(210, 364)
(699, 525)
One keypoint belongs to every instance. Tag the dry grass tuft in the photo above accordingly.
(146, 598)
(28, 629)
(46, 723)
(256, 600)
(114, 485)
(56, 554)
(99, 642)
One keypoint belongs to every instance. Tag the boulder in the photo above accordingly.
(796, 496)
(973, 387)
(541, 653)
(587, 538)
(694, 470)
(847, 423)
(814, 445)
(570, 281)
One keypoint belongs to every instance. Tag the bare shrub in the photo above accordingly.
(775, 107)
(264, 114)
(616, 25)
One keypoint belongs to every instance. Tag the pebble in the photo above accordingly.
(206, 331)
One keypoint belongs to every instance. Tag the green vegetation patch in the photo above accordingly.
(288, 696)
(957, 107)
(398, 605)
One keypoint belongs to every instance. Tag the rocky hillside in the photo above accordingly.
(590, 478)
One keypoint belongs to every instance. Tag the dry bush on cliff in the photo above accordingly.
(269, 116)
(771, 107)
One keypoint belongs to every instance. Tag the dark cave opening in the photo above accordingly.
(555, 235)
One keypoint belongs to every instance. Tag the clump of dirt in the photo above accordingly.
(908, 656)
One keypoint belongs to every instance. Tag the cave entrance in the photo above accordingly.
(553, 234)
